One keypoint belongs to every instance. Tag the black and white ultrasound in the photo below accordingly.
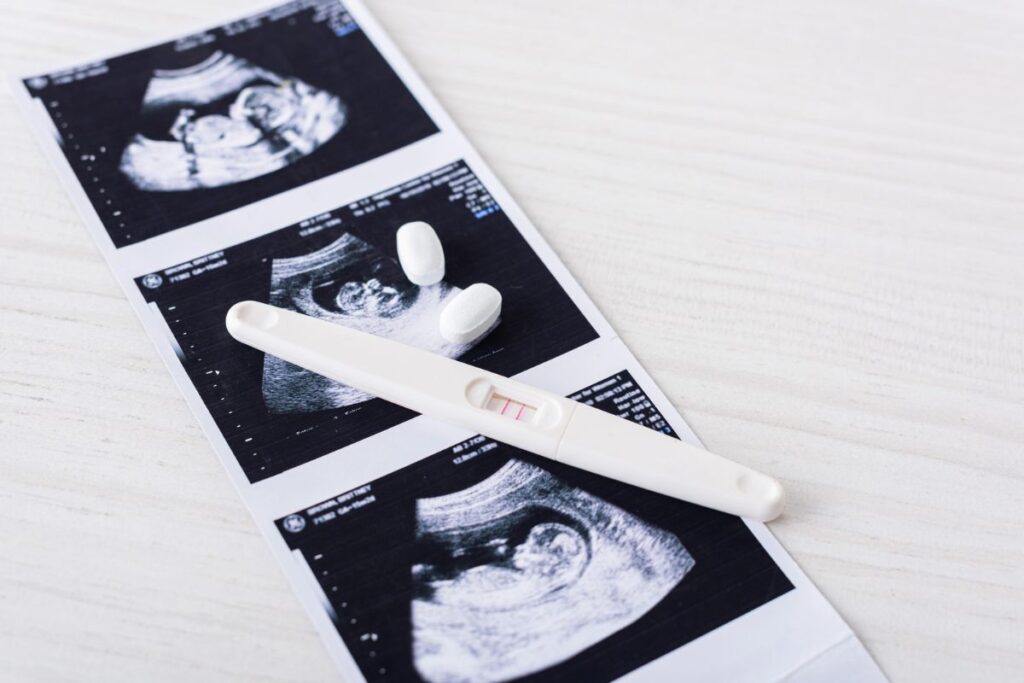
(186, 130)
(341, 266)
(486, 563)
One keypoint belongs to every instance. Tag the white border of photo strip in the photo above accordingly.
(795, 637)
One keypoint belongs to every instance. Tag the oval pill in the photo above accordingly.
(470, 313)
(420, 253)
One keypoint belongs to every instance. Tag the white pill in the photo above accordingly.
(420, 253)
(470, 313)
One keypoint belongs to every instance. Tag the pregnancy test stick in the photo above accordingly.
(508, 411)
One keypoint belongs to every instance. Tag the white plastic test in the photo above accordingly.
(470, 313)
(506, 410)
(420, 253)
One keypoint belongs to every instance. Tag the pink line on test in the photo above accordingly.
(505, 407)
(522, 407)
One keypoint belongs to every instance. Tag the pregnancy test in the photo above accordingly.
(509, 411)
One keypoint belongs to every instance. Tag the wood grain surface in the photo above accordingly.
(807, 220)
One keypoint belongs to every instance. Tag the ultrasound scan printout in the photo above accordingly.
(273, 157)
(341, 266)
(504, 566)
(176, 133)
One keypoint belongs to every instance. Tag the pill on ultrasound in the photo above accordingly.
(470, 313)
(420, 253)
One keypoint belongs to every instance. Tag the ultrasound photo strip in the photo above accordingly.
(205, 146)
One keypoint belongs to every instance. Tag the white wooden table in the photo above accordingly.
(807, 219)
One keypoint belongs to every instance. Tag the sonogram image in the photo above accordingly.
(181, 132)
(486, 563)
(350, 283)
(341, 266)
(522, 571)
(222, 121)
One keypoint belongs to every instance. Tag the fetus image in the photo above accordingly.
(350, 283)
(521, 571)
(223, 121)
